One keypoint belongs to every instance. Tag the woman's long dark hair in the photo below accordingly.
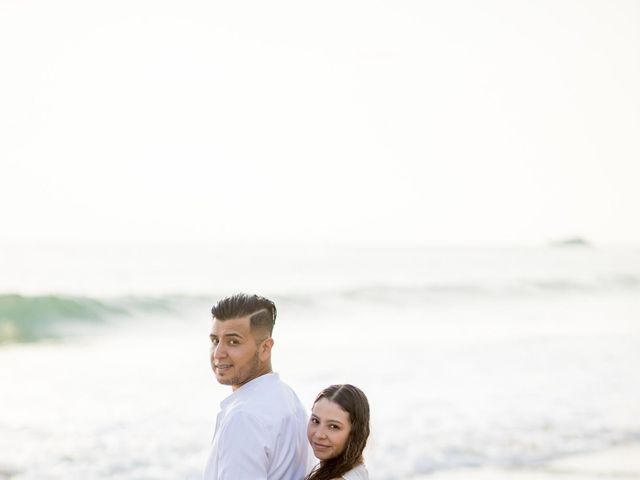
(353, 401)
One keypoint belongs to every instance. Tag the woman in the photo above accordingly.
(338, 431)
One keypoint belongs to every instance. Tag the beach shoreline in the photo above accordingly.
(620, 462)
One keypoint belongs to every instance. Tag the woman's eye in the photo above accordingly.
(334, 427)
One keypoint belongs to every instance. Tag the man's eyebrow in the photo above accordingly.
(230, 334)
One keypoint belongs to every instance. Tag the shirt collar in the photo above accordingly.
(248, 388)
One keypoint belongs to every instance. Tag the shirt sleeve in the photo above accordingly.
(243, 449)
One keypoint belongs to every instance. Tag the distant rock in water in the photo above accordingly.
(570, 242)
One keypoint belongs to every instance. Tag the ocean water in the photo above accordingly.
(469, 356)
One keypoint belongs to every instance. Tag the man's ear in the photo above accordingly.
(265, 349)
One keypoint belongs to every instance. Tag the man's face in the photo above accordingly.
(237, 356)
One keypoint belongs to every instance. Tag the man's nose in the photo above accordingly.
(219, 351)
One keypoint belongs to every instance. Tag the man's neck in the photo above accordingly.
(267, 371)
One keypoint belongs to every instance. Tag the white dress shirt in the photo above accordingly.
(358, 473)
(260, 434)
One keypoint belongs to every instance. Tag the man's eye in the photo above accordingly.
(233, 342)
(214, 341)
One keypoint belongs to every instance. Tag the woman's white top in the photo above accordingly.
(358, 473)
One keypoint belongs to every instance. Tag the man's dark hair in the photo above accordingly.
(261, 311)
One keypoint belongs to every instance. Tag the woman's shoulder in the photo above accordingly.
(357, 473)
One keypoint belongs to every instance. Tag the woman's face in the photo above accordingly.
(328, 430)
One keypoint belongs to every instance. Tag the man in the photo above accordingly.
(261, 429)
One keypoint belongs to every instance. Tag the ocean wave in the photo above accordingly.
(492, 289)
(32, 318)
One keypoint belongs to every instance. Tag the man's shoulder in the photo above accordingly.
(268, 401)
(272, 387)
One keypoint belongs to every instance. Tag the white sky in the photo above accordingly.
(421, 121)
